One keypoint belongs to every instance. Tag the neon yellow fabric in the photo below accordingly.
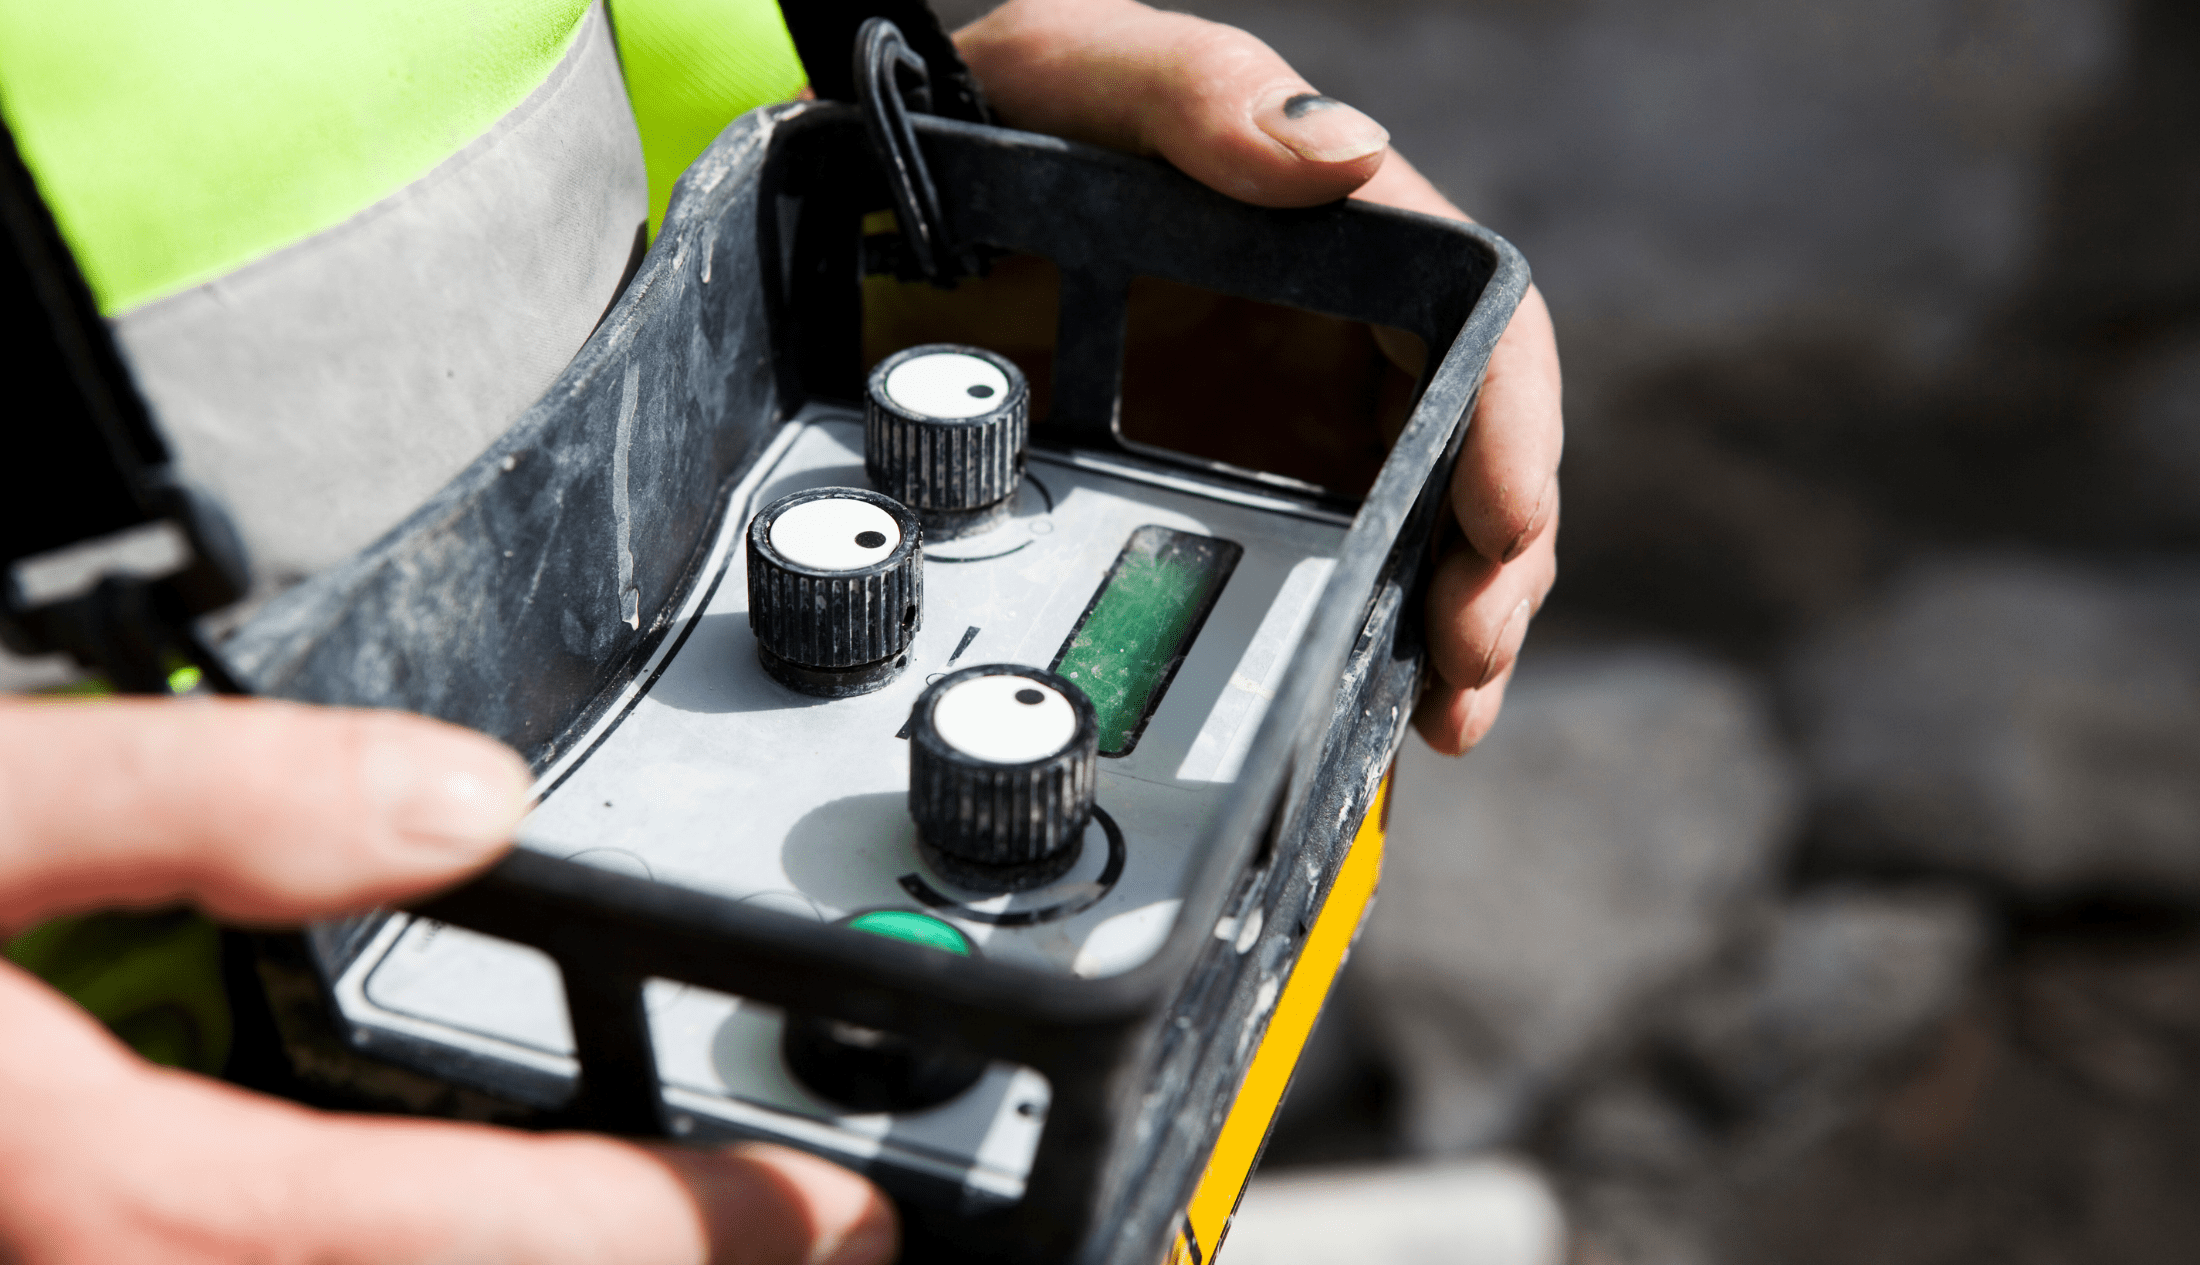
(155, 980)
(178, 141)
(693, 66)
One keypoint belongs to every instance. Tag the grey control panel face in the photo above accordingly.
(1177, 605)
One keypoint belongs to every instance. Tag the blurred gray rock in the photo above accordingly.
(1806, 1020)
(2056, 1123)
(1488, 1211)
(1593, 848)
(2120, 1021)
(1840, 982)
(1703, 174)
(2153, 422)
(2025, 721)
(1774, 1046)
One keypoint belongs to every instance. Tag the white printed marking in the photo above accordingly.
(835, 534)
(1005, 719)
(947, 384)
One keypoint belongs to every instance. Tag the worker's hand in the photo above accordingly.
(268, 812)
(1225, 109)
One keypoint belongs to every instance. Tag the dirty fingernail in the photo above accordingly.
(1323, 129)
(441, 788)
(1507, 645)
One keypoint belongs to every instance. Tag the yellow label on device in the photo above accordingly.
(1245, 1130)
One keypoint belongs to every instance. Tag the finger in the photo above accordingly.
(253, 809)
(820, 1211)
(1454, 721)
(1400, 184)
(1479, 611)
(1505, 490)
(1481, 602)
(109, 1159)
(1213, 100)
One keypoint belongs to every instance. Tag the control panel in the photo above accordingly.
(934, 685)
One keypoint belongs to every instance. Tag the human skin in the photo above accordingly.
(1213, 101)
(264, 813)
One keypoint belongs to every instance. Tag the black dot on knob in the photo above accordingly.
(870, 539)
(1030, 698)
(980, 392)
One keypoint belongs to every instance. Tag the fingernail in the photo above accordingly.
(1323, 129)
(1507, 644)
(451, 791)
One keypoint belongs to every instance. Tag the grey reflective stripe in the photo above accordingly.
(327, 390)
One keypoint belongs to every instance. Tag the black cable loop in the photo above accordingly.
(890, 77)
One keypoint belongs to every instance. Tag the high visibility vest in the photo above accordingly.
(344, 245)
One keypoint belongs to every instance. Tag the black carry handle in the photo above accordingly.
(825, 30)
(891, 81)
(87, 463)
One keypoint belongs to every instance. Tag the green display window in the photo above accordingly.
(1141, 623)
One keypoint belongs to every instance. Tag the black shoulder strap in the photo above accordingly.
(825, 36)
(84, 462)
(80, 431)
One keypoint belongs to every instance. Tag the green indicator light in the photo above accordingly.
(924, 929)
(184, 679)
(1139, 626)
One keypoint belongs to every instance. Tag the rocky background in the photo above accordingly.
(1829, 891)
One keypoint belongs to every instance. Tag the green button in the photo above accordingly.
(902, 924)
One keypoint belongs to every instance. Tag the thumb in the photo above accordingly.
(253, 809)
(1213, 100)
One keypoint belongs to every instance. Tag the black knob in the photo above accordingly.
(869, 1070)
(836, 589)
(1002, 762)
(944, 433)
(865, 1069)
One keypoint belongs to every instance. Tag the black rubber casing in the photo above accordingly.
(497, 605)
